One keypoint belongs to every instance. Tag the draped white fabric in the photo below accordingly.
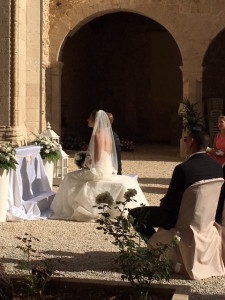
(199, 252)
(29, 189)
(75, 198)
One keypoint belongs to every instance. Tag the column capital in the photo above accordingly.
(192, 71)
(56, 68)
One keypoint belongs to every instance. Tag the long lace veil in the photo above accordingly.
(102, 140)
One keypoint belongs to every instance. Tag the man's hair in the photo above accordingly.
(110, 116)
(200, 136)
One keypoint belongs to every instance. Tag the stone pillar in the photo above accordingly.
(16, 131)
(33, 67)
(56, 72)
(192, 90)
(192, 83)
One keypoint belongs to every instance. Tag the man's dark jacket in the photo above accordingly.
(118, 152)
(197, 167)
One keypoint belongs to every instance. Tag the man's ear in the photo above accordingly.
(192, 141)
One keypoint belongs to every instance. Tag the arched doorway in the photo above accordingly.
(214, 81)
(214, 69)
(127, 64)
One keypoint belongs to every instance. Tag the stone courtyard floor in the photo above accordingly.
(80, 250)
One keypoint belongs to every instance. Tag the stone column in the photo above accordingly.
(56, 72)
(192, 83)
(192, 90)
(16, 131)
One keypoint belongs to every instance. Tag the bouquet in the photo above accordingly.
(80, 158)
(49, 148)
(7, 157)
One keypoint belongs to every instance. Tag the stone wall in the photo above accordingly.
(25, 105)
(20, 95)
(33, 66)
(185, 20)
(46, 83)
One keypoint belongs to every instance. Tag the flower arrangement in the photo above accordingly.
(80, 158)
(49, 148)
(7, 157)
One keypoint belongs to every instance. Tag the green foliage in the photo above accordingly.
(140, 265)
(38, 275)
(191, 116)
(7, 157)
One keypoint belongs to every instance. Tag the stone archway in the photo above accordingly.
(185, 22)
(127, 64)
(213, 83)
(214, 68)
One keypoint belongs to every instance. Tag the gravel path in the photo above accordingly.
(80, 250)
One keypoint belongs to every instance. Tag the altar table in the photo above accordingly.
(30, 194)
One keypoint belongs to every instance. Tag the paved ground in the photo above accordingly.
(80, 250)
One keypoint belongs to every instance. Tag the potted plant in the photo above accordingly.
(191, 115)
(49, 153)
(7, 162)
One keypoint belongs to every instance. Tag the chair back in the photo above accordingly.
(200, 247)
(199, 204)
(223, 233)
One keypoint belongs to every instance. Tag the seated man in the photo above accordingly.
(197, 167)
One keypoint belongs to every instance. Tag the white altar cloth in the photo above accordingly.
(29, 190)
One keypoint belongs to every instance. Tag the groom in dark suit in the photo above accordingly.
(197, 167)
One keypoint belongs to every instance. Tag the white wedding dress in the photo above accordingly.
(75, 199)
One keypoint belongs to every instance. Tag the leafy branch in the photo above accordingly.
(140, 265)
(191, 115)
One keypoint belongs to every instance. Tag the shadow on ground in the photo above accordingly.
(73, 262)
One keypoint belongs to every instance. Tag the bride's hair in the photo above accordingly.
(93, 114)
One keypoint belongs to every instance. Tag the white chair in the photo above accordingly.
(199, 251)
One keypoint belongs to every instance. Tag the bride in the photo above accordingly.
(75, 199)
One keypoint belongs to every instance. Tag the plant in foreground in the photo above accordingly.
(38, 275)
(140, 265)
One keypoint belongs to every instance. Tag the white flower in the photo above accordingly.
(177, 267)
(177, 237)
(77, 156)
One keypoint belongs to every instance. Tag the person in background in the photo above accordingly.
(117, 143)
(218, 150)
(218, 153)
